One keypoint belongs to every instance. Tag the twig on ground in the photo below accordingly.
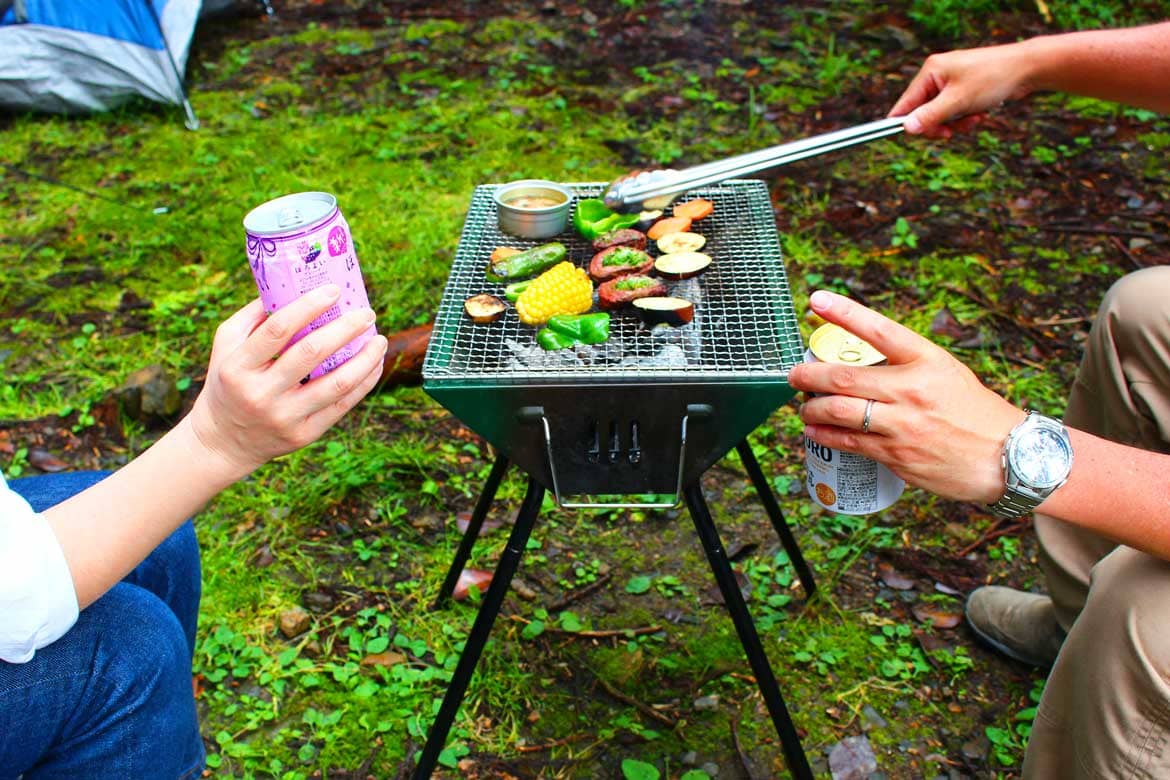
(744, 760)
(997, 530)
(613, 633)
(1117, 242)
(580, 593)
(1094, 230)
(640, 706)
(556, 743)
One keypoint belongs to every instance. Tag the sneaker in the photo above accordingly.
(1020, 625)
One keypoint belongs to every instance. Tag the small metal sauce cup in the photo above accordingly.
(541, 222)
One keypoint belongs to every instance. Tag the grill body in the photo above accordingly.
(651, 409)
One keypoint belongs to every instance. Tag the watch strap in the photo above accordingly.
(1014, 503)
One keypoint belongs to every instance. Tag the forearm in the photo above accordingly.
(1120, 492)
(1130, 66)
(107, 530)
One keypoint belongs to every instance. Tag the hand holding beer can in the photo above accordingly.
(839, 481)
(299, 242)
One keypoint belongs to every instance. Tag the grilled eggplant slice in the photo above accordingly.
(484, 308)
(662, 309)
(682, 265)
(648, 218)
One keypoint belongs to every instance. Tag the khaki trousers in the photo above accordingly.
(1106, 706)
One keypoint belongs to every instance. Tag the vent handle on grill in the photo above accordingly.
(535, 414)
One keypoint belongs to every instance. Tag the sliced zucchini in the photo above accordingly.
(665, 310)
(682, 265)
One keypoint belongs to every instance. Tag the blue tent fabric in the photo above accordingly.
(71, 56)
(124, 20)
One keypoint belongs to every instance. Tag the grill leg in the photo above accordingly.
(733, 599)
(488, 609)
(486, 496)
(777, 517)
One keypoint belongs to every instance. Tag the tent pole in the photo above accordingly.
(192, 122)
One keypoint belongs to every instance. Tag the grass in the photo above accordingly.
(127, 251)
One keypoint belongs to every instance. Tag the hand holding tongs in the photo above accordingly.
(656, 189)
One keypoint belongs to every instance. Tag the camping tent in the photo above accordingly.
(70, 56)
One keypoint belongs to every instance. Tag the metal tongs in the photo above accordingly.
(651, 190)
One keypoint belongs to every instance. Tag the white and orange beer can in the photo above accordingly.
(839, 481)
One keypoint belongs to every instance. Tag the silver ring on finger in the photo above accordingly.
(865, 419)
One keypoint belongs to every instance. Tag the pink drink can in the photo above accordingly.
(297, 243)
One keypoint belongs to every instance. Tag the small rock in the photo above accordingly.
(711, 768)
(852, 759)
(149, 392)
(976, 749)
(294, 622)
(871, 719)
(522, 589)
(263, 557)
(318, 601)
(426, 522)
(707, 702)
(690, 758)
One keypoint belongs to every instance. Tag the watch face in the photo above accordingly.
(1041, 458)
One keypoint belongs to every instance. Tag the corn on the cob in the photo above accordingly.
(562, 289)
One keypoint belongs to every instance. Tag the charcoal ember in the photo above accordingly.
(669, 356)
(532, 355)
(688, 289)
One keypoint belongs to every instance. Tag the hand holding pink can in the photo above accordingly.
(300, 242)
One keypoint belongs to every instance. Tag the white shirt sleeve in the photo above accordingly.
(37, 601)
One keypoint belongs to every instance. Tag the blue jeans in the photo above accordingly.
(113, 697)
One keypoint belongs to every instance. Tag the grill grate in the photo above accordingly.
(744, 327)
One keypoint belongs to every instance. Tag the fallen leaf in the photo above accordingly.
(46, 461)
(468, 577)
(894, 578)
(714, 596)
(463, 520)
(939, 617)
(945, 324)
(386, 658)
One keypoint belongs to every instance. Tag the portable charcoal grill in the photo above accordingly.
(645, 414)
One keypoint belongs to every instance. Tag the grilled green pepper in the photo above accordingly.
(530, 262)
(586, 328)
(593, 218)
(567, 330)
(549, 339)
(512, 291)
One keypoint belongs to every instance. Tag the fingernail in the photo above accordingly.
(912, 124)
(328, 292)
(363, 316)
(820, 300)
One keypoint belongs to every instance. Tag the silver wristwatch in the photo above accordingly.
(1037, 459)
